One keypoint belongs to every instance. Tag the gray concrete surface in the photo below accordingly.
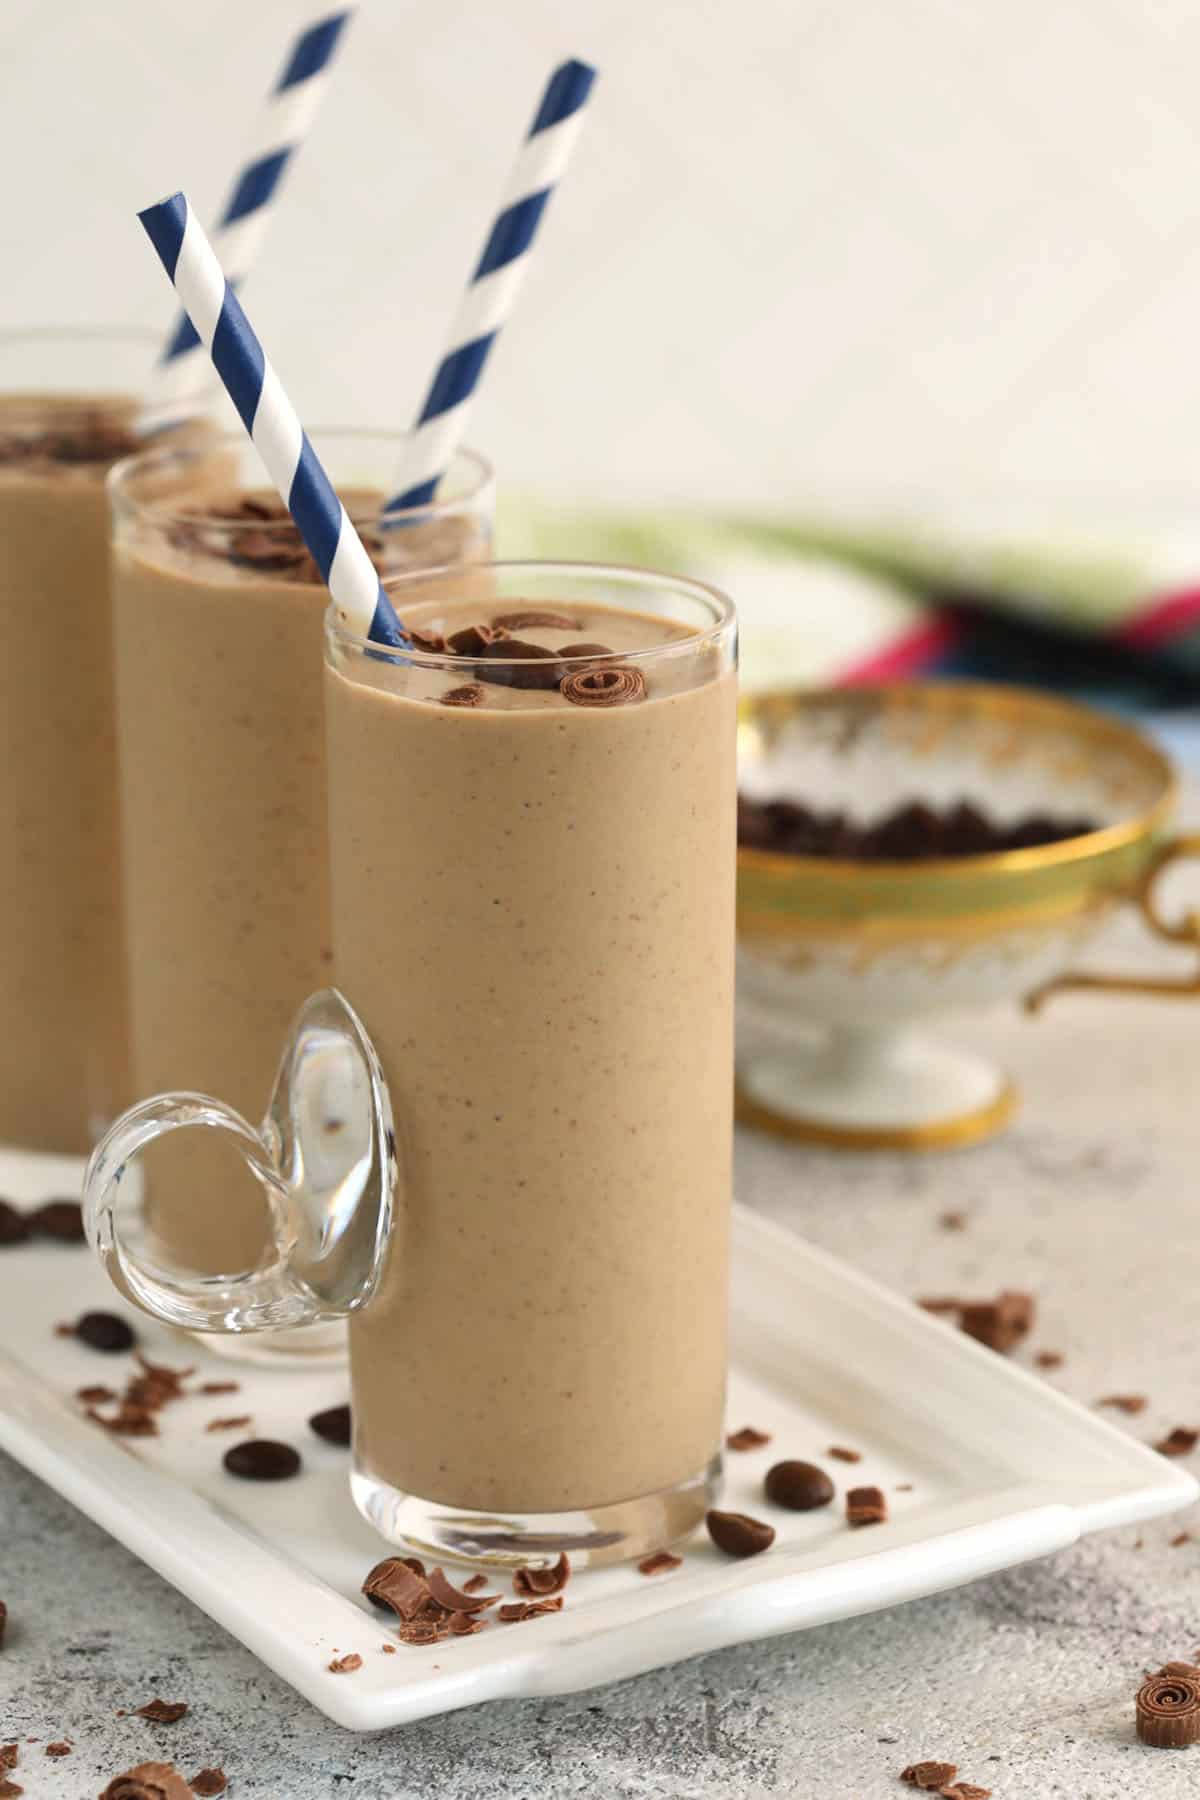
(1025, 1680)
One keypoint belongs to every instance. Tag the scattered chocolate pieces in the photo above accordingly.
(953, 1220)
(909, 833)
(929, 1775)
(517, 1610)
(605, 686)
(660, 1563)
(388, 1649)
(866, 1506)
(162, 1712)
(423, 1631)
(798, 1486)
(219, 1387)
(346, 1665)
(146, 1393)
(58, 1749)
(333, 1425)
(210, 1782)
(737, 1534)
(262, 1459)
(1049, 1359)
(97, 1395)
(748, 1438)
(13, 1227)
(398, 1584)
(934, 1303)
(1126, 1403)
(533, 620)
(1180, 1442)
(1168, 1711)
(999, 1323)
(472, 694)
(1181, 1537)
(535, 1584)
(457, 1600)
(59, 1219)
(844, 1455)
(148, 1781)
(476, 1582)
(105, 1331)
(235, 1424)
(965, 1790)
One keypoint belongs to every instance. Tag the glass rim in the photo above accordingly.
(172, 511)
(634, 574)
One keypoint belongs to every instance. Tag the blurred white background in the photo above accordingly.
(806, 245)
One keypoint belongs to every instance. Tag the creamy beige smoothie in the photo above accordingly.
(218, 633)
(533, 912)
(63, 1057)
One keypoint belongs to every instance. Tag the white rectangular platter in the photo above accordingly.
(1001, 1467)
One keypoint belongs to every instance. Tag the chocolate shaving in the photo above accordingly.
(57, 1749)
(844, 1455)
(605, 686)
(472, 694)
(229, 1424)
(965, 1790)
(533, 620)
(748, 1438)
(462, 1624)
(394, 1583)
(9, 1755)
(128, 1421)
(208, 1783)
(1180, 1442)
(219, 1387)
(999, 1323)
(660, 1563)
(533, 1584)
(95, 1396)
(1126, 1403)
(457, 1600)
(476, 1582)
(1168, 1711)
(423, 1631)
(162, 1712)
(517, 1610)
(9, 1790)
(148, 1781)
(866, 1506)
(346, 1665)
(1049, 1359)
(929, 1775)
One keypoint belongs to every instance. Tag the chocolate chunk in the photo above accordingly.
(737, 1534)
(929, 1775)
(148, 1781)
(660, 1563)
(333, 1425)
(59, 1219)
(105, 1331)
(999, 1323)
(208, 1783)
(162, 1712)
(1168, 1711)
(346, 1665)
(219, 1387)
(398, 1584)
(586, 650)
(472, 694)
(473, 1586)
(843, 1455)
(1180, 1442)
(866, 1506)
(1126, 1403)
(14, 1228)
(533, 620)
(1049, 1359)
(457, 1600)
(535, 1584)
(604, 686)
(517, 1610)
(237, 1424)
(57, 1749)
(261, 1459)
(514, 663)
(798, 1486)
(95, 1396)
(10, 1755)
(748, 1438)
(473, 640)
(431, 642)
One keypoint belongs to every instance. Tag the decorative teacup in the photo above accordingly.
(872, 954)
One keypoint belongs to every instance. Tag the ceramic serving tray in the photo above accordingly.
(983, 1466)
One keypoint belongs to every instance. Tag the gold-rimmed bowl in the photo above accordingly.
(850, 964)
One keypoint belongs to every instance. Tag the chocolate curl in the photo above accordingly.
(1168, 1711)
(607, 686)
(538, 1584)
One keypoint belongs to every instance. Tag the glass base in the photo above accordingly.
(621, 1532)
(299, 1347)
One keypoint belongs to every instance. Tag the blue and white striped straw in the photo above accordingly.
(264, 409)
(489, 299)
(178, 382)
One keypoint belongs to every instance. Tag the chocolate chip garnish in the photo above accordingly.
(607, 686)
(333, 1425)
(14, 1228)
(517, 1610)
(533, 620)
(842, 1454)
(737, 1534)
(472, 694)
(586, 650)
(398, 1584)
(1168, 1711)
(929, 1775)
(1180, 1442)
(798, 1486)
(105, 1331)
(162, 1712)
(60, 1219)
(261, 1459)
(148, 1781)
(518, 664)
(208, 1783)
(534, 1584)
(660, 1563)
(346, 1665)
(748, 1438)
(866, 1506)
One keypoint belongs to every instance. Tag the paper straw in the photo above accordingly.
(492, 292)
(269, 417)
(179, 378)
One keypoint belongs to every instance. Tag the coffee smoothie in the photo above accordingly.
(532, 840)
(63, 1067)
(219, 644)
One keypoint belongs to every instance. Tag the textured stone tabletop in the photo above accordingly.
(1025, 1680)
